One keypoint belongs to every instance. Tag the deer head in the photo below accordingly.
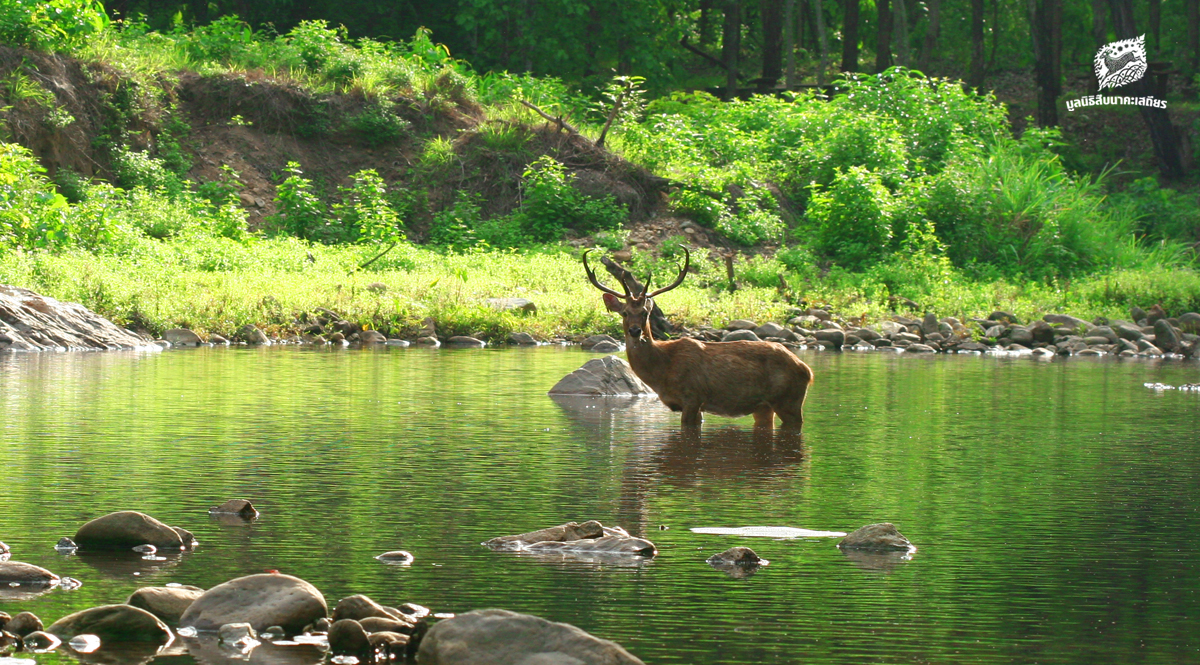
(634, 308)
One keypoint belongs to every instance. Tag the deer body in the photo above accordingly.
(724, 378)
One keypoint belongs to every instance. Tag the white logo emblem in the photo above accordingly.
(1119, 63)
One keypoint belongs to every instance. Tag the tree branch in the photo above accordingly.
(549, 118)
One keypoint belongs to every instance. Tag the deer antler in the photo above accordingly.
(687, 259)
(592, 278)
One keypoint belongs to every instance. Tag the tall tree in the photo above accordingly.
(1046, 21)
(975, 74)
(705, 27)
(1193, 36)
(789, 42)
(902, 46)
(929, 44)
(823, 43)
(731, 43)
(883, 35)
(850, 35)
(1099, 35)
(772, 52)
(1155, 26)
(1163, 134)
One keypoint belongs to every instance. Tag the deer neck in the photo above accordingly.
(645, 355)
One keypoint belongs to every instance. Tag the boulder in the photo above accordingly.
(464, 341)
(877, 537)
(919, 348)
(372, 337)
(126, 529)
(608, 544)
(1166, 338)
(1002, 316)
(596, 339)
(263, 600)
(772, 329)
(250, 334)
(521, 339)
(601, 377)
(32, 322)
(166, 603)
(1103, 331)
(500, 637)
(1131, 333)
(112, 623)
(348, 638)
(867, 334)
(821, 314)
(23, 624)
(1137, 313)
(804, 321)
(831, 338)
(383, 624)
(605, 347)
(741, 335)
(1189, 322)
(428, 340)
(1066, 321)
(929, 324)
(182, 337)
(240, 507)
(1155, 314)
(522, 305)
(392, 646)
(18, 572)
(589, 537)
(892, 328)
(562, 532)
(1020, 335)
(39, 642)
(359, 607)
(736, 556)
(741, 324)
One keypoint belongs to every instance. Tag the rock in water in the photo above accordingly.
(240, 507)
(263, 600)
(602, 377)
(500, 637)
(882, 537)
(17, 572)
(347, 637)
(31, 322)
(359, 607)
(127, 529)
(742, 556)
(166, 603)
(112, 623)
(182, 337)
(23, 624)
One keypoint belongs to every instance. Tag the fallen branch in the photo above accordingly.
(378, 256)
(549, 118)
(612, 115)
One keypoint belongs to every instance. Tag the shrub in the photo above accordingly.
(377, 124)
(454, 228)
(365, 211)
(552, 204)
(298, 211)
(852, 217)
(134, 169)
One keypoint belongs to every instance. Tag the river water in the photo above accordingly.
(1055, 505)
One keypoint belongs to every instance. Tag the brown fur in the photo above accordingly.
(725, 378)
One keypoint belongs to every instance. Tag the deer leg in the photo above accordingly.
(691, 416)
(764, 417)
(792, 415)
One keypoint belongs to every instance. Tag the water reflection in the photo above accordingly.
(207, 649)
(123, 565)
(878, 562)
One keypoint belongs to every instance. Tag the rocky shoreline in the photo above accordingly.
(30, 322)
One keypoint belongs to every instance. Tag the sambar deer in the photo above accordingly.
(725, 378)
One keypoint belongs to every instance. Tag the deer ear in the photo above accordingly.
(612, 302)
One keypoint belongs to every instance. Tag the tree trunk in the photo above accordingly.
(789, 42)
(883, 35)
(902, 51)
(1099, 36)
(1162, 133)
(929, 44)
(705, 24)
(991, 65)
(772, 26)
(850, 36)
(731, 43)
(1193, 36)
(823, 65)
(1155, 27)
(975, 75)
(1047, 73)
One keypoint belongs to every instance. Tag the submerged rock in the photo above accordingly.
(500, 637)
(39, 642)
(360, 607)
(166, 603)
(32, 322)
(18, 572)
(882, 537)
(240, 507)
(522, 339)
(591, 537)
(398, 557)
(113, 623)
(127, 529)
(182, 337)
(262, 600)
(600, 377)
(743, 556)
(23, 624)
(348, 637)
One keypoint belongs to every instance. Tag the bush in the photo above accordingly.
(852, 217)
(365, 211)
(134, 169)
(50, 24)
(454, 227)
(377, 124)
(552, 204)
(299, 212)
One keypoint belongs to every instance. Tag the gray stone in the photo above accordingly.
(39, 641)
(821, 314)
(465, 342)
(929, 324)
(1094, 341)
(236, 633)
(740, 335)
(867, 334)
(1067, 321)
(500, 637)
(182, 337)
(1020, 335)
(348, 638)
(1131, 333)
(994, 332)
(879, 537)
(268, 599)
(112, 623)
(23, 624)
(372, 337)
(560, 533)
(589, 342)
(1002, 316)
(1042, 332)
(428, 341)
(250, 334)
(523, 305)
(605, 347)
(22, 573)
(1189, 322)
(397, 342)
(735, 556)
(1137, 313)
(522, 339)
(125, 529)
(771, 329)
(919, 348)
(359, 607)
(1166, 338)
(166, 603)
(380, 624)
(892, 328)
(741, 324)
(240, 507)
(601, 377)
(591, 537)
(1102, 331)
(804, 321)
(831, 338)
(31, 322)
